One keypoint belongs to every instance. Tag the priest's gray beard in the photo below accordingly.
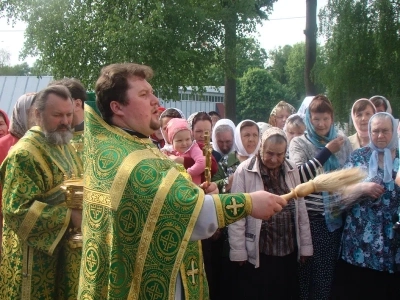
(58, 137)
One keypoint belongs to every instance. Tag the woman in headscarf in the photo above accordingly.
(320, 149)
(280, 113)
(369, 265)
(247, 140)
(4, 123)
(19, 124)
(268, 251)
(361, 112)
(381, 104)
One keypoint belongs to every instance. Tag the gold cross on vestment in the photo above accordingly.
(193, 271)
(154, 292)
(234, 206)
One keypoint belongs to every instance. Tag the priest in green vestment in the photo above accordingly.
(142, 216)
(36, 220)
(79, 96)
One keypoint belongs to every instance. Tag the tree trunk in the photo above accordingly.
(230, 67)
(311, 45)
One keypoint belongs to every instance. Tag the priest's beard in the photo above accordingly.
(58, 137)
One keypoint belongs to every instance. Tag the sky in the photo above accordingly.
(284, 27)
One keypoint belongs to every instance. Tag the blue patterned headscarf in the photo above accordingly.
(387, 159)
(321, 141)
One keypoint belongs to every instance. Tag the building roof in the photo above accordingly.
(12, 87)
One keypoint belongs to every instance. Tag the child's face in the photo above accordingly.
(293, 131)
(182, 141)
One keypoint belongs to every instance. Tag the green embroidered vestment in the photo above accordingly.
(140, 210)
(36, 219)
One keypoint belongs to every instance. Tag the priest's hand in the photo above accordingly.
(76, 218)
(265, 204)
(210, 188)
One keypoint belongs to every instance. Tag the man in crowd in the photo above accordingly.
(79, 97)
(143, 217)
(35, 218)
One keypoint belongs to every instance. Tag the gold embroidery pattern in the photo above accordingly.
(32, 172)
(30, 219)
(235, 206)
(148, 231)
(121, 217)
(220, 211)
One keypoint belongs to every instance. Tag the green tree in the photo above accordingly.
(259, 92)
(295, 68)
(177, 39)
(279, 58)
(17, 70)
(249, 55)
(288, 66)
(362, 51)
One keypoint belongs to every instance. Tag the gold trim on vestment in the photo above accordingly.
(148, 230)
(27, 264)
(30, 219)
(111, 128)
(248, 205)
(29, 147)
(62, 232)
(185, 240)
(124, 172)
(220, 211)
(96, 197)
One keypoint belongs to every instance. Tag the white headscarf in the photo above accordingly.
(238, 141)
(263, 126)
(304, 105)
(389, 107)
(214, 138)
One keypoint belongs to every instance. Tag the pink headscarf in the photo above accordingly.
(363, 134)
(174, 126)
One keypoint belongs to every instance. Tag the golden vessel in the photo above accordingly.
(74, 199)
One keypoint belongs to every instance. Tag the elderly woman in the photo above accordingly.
(361, 112)
(320, 149)
(369, 266)
(269, 250)
(280, 113)
(19, 124)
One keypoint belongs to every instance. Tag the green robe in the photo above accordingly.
(36, 220)
(139, 212)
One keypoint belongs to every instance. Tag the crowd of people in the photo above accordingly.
(154, 227)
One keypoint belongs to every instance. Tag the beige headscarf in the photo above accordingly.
(280, 106)
(267, 134)
(20, 116)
